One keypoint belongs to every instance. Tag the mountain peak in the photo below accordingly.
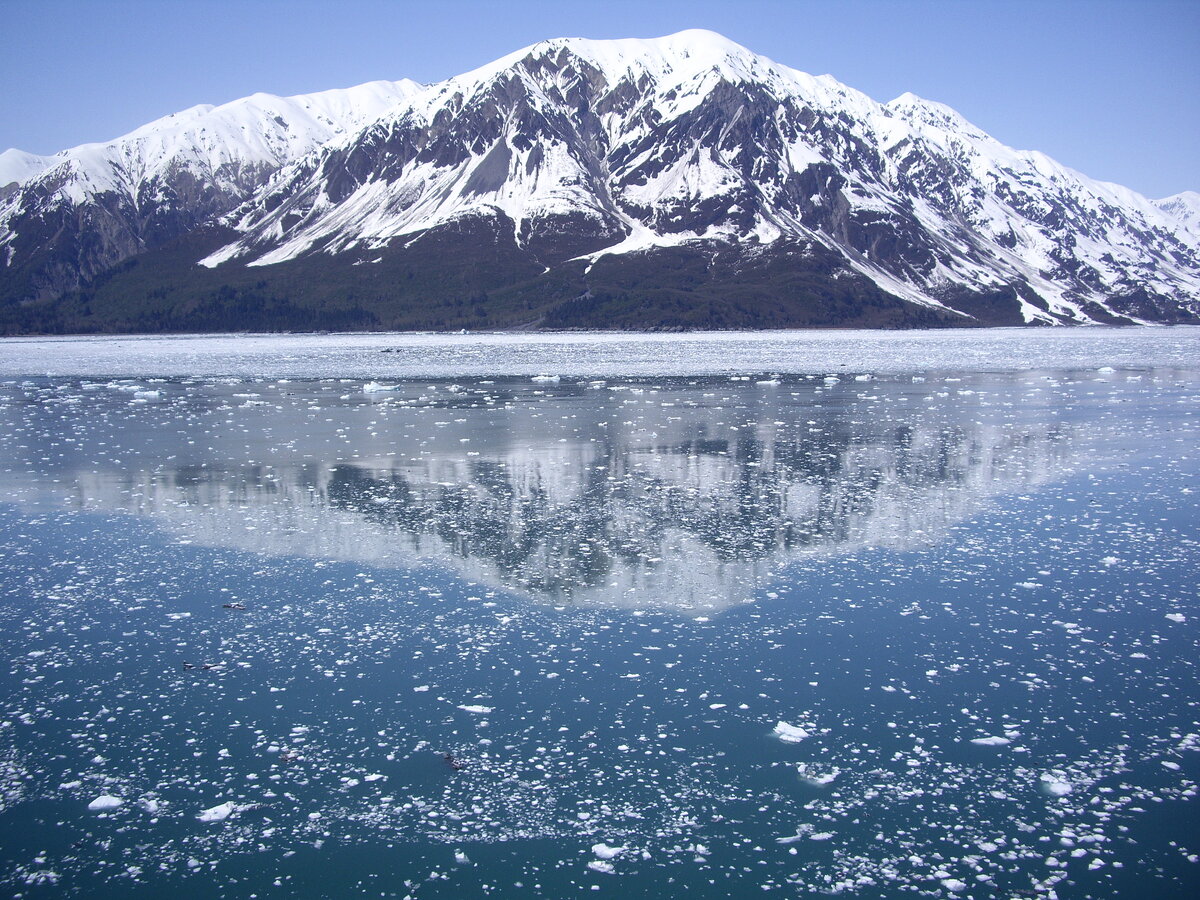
(17, 166)
(919, 111)
(1184, 206)
(632, 169)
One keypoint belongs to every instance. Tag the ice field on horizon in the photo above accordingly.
(285, 617)
(596, 354)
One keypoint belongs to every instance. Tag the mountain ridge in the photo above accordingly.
(681, 173)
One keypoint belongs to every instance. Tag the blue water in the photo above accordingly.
(602, 600)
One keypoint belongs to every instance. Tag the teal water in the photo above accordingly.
(607, 601)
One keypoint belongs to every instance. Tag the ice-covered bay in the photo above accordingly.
(864, 631)
(600, 354)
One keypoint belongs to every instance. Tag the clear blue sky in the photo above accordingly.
(1109, 87)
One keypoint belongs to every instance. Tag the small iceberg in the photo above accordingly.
(1055, 785)
(375, 387)
(810, 775)
(789, 734)
(105, 802)
(218, 813)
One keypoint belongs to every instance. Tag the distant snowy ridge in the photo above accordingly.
(619, 170)
(1185, 206)
(119, 197)
(17, 167)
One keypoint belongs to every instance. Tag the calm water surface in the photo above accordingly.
(878, 631)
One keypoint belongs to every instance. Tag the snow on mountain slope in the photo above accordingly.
(17, 167)
(1185, 206)
(591, 148)
(90, 206)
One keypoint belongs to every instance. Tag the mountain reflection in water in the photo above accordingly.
(686, 496)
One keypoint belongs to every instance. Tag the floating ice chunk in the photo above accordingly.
(482, 710)
(1055, 785)
(149, 804)
(1177, 617)
(815, 778)
(1168, 764)
(821, 836)
(218, 813)
(953, 884)
(789, 734)
(375, 387)
(991, 741)
(545, 378)
(599, 865)
(768, 382)
(105, 802)
(604, 851)
(461, 858)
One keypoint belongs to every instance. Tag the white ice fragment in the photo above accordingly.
(482, 710)
(599, 865)
(1177, 617)
(218, 813)
(817, 779)
(105, 802)
(604, 851)
(991, 741)
(953, 884)
(374, 387)
(1055, 785)
(789, 734)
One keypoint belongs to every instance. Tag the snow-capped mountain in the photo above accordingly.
(17, 167)
(1185, 206)
(68, 217)
(683, 180)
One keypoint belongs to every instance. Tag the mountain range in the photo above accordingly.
(681, 182)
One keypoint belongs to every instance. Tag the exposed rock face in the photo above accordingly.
(587, 180)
